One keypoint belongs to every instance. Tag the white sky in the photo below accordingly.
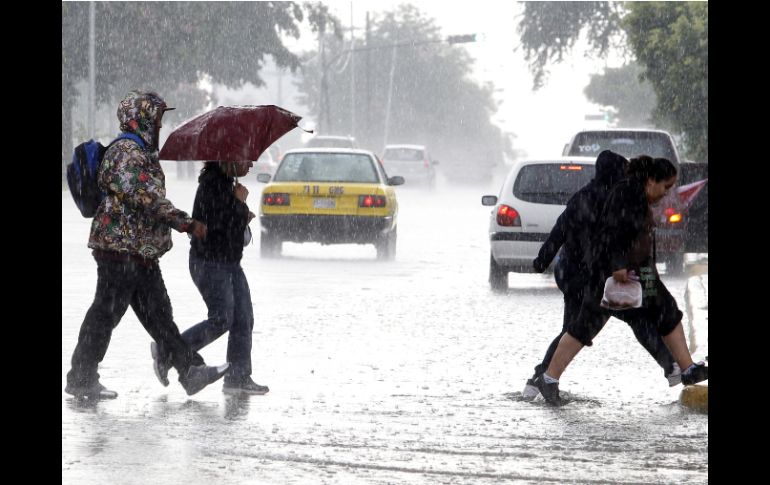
(543, 121)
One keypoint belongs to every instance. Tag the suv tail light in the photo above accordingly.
(672, 215)
(508, 216)
(275, 199)
(371, 201)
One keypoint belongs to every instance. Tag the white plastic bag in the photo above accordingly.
(621, 296)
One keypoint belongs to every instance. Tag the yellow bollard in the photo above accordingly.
(696, 397)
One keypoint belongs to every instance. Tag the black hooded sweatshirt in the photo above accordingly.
(225, 216)
(576, 226)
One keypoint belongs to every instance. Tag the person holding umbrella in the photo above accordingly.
(215, 267)
(228, 138)
(129, 233)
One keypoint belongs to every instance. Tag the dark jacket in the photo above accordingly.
(225, 217)
(576, 225)
(624, 236)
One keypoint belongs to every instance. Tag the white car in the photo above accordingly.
(534, 194)
(412, 161)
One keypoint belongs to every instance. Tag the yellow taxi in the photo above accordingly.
(330, 196)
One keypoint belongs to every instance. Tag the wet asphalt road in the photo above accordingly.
(403, 372)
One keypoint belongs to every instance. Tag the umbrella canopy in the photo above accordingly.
(229, 133)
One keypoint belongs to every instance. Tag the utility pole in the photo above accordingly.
(368, 82)
(390, 94)
(322, 89)
(91, 70)
(352, 76)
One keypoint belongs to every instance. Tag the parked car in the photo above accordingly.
(330, 196)
(265, 164)
(671, 217)
(331, 141)
(534, 194)
(413, 161)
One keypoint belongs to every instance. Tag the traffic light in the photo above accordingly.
(461, 39)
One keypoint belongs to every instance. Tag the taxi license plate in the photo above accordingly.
(324, 203)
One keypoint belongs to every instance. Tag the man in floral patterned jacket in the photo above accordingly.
(130, 231)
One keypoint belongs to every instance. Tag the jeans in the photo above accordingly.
(226, 292)
(120, 284)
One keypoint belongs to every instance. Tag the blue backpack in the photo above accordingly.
(83, 173)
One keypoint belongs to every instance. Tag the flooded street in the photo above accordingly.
(404, 372)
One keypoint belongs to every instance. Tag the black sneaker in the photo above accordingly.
(160, 364)
(247, 386)
(200, 376)
(695, 373)
(550, 391)
(96, 391)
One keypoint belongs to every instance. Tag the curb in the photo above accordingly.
(696, 297)
(695, 397)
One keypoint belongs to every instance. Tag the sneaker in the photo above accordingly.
(200, 376)
(247, 386)
(530, 389)
(96, 391)
(550, 391)
(159, 365)
(695, 373)
(675, 378)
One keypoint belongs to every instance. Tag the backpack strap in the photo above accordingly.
(130, 136)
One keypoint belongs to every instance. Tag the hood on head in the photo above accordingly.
(610, 167)
(138, 113)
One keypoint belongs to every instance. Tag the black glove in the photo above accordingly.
(538, 265)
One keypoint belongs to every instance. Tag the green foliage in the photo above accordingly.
(671, 41)
(668, 39)
(434, 101)
(622, 87)
(169, 46)
(549, 31)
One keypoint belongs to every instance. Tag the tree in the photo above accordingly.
(433, 100)
(671, 41)
(165, 45)
(668, 39)
(549, 30)
(633, 99)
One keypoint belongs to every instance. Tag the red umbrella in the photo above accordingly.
(229, 133)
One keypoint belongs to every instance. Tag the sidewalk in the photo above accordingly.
(697, 330)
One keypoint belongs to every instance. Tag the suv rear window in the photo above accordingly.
(551, 183)
(627, 143)
(406, 154)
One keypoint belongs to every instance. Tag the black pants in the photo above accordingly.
(122, 283)
(645, 330)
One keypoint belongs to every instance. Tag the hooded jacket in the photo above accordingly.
(624, 239)
(135, 217)
(575, 226)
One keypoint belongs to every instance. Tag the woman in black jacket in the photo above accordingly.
(572, 234)
(215, 267)
(623, 248)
